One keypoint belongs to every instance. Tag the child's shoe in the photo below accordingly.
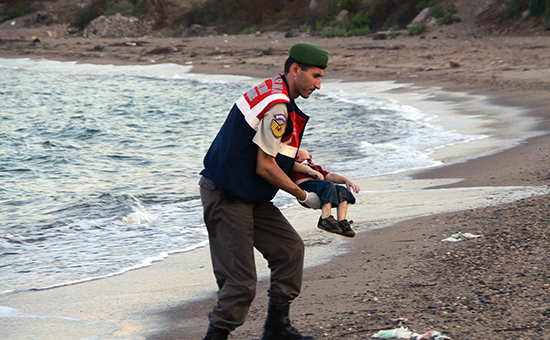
(329, 224)
(345, 227)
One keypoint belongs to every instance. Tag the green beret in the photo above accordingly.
(309, 54)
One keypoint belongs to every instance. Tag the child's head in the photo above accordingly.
(304, 154)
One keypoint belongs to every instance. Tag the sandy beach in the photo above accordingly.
(396, 270)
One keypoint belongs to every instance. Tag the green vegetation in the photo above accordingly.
(363, 17)
(249, 16)
(234, 16)
(360, 20)
(128, 7)
(82, 17)
(178, 31)
(17, 10)
(437, 12)
(353, 6)
(515, 8)
(424, 4)
(251, 30)
(417, 29)
(387, 14)
(444, 17)
(393, 32)
(123, 7)
(359, 24)
(333, 32)
(177, 3)
(359, 32)
(536, 8)
(450, 17)
(540, 7)
(382, 15)
(305, 28)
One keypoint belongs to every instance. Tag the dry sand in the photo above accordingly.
(492, 287)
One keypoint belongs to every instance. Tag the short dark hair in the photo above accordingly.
(289, 61)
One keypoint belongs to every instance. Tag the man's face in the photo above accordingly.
(307, 81)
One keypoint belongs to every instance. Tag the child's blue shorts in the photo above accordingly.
(328, 192)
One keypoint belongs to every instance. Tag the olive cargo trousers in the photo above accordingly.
(235, 228)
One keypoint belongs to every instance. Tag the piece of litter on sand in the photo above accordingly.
(435, 335)
(460, 236)
(405, 333)
(397, 333)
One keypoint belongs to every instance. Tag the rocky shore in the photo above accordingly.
(492, 287)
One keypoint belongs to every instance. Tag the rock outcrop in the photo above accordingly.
(117, 26)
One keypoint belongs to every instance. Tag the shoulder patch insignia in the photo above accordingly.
(280, 118)
(278, 125)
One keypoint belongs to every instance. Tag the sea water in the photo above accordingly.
(99, 164)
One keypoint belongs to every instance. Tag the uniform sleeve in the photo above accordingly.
(271, 129)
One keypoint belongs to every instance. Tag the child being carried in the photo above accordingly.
(312, 178)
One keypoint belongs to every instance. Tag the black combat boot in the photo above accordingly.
(215, 333)
(277, 325)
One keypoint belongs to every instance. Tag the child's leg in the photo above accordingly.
(326, 210)
(344, 224)
(342, 210)
(327, 222)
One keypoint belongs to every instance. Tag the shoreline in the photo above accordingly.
(467, 114)
(449, 108)
(339, 296)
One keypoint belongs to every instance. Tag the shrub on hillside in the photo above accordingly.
(540, 7)
(305, 28)
(515, 8)
(233, 16)
(123, 7)
(437, 12)
(417, 29)
(536, 7)
(84, 15)
(333, 32)
(128, 7)
(251, 30)
(361, 20)
(359, 32)
(424, 4)
(17, 10)
(444, 17)
(449, 17)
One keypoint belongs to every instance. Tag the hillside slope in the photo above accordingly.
(478, 17)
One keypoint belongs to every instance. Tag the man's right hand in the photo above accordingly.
(311, 200)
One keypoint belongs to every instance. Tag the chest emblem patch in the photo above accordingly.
(278, 125)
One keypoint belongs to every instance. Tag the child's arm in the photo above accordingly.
(339, 179)
(307, 170)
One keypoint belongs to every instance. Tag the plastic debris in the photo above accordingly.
(460, 237)
(434, 335)
(397, 333)
(405, 333)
